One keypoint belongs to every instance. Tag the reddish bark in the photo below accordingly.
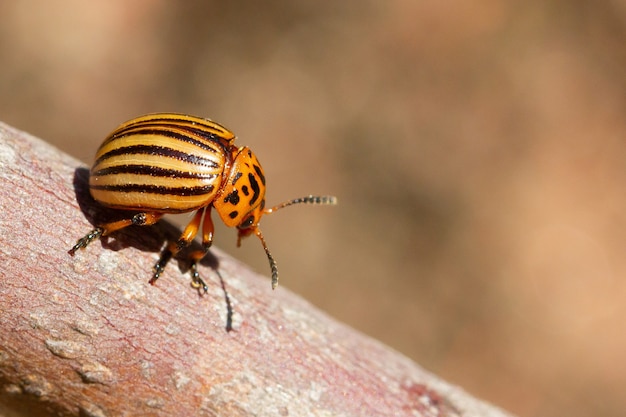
(87, 335)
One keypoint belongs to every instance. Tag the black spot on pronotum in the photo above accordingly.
(245, 190)
(233, 214)
(259, 172)
(255, 188)
(232, 198)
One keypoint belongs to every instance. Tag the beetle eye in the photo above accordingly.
(247, 223)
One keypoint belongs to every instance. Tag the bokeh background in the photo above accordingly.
(477, 149)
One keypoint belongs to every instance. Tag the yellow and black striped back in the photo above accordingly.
(161, 162)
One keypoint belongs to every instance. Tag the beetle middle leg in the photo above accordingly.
(202, 216)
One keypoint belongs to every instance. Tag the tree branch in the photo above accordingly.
(87, 335)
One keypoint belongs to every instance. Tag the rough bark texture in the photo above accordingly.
(88, 336)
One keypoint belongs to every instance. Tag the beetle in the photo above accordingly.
(165, 163)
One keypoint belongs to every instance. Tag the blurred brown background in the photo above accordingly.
(477, 149)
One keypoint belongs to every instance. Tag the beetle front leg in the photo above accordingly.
(196, 256)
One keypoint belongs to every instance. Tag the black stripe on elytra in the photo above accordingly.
(160, 151)
(151, 171)
(155, 189)
(196, 123)
(157, 130)
(255, 188)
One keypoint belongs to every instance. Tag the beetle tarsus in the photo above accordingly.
(166, 255)
(86, 240)
(196, 281)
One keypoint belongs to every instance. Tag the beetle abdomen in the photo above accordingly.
(161, 163)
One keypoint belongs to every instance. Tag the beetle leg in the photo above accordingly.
(195, 256)
(173, 248)
(139, 219)
(86, 240)
(196, 281)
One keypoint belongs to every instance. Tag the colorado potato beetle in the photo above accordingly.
(172, 163)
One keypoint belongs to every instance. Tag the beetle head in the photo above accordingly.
(241, 203)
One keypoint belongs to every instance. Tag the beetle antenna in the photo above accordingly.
(310, 199)
(270, 258)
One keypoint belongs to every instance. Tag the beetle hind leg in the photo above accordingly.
(139, 219)
(86, 240)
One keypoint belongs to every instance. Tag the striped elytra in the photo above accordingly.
(172, 163)
(162, 163)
